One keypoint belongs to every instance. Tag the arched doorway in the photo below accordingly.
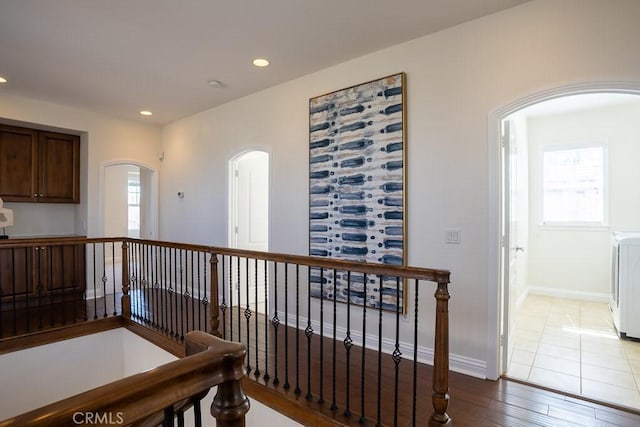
(129, 200)
(557, 151)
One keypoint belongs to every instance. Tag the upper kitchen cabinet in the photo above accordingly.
(38, 166)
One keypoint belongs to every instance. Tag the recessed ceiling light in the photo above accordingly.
(2, 80)
(261, 62)
(146, 113)
(215, 83)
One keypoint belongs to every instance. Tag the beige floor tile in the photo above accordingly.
(524, 357)
(603, 346)
(561, 352)
(577, 350)
(606, 361)
(555, 380)
(631, 349)
(527, 335)
(526, 345)
(519, 370)
(609, 393)
(569, 341)
(557, 364)
(635, 366)
(608, 376)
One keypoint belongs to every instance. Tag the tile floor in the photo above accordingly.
(572, 346)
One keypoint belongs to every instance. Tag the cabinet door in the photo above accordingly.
(59, 164)
(62, 269)
(15, 273)
(18, 164)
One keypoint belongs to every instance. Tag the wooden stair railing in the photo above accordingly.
(141, 399)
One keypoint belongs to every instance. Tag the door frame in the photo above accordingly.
(231, 196)
(153, 197)
(497, 312)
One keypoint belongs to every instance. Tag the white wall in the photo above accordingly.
(103, 139)
(575, 262)
(455, 78)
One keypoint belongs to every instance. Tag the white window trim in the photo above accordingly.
(576, 225)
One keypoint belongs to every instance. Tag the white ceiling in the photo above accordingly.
(118, 57)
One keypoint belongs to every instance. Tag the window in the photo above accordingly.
(573, 185)
(133, 200)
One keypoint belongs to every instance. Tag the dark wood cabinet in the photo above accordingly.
(42, 274)
(38, 166)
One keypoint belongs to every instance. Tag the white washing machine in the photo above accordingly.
(625, 283)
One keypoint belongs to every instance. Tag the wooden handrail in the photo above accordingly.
(211, 362)
(428, 274)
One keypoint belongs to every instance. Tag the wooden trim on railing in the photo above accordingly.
(212, 362)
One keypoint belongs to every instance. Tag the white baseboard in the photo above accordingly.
(457, 363)
(565, 293)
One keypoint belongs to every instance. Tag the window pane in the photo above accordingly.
(573, 185)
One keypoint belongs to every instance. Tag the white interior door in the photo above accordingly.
(251, 223)
(516, 220)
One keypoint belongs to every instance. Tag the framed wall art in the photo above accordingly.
(357, 188)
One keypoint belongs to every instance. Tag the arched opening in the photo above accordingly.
(249, 218)
(128, 195)
(564, 173)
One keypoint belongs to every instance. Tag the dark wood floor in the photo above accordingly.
(315, 396)
(473, 401)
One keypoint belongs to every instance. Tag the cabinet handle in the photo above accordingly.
(41, 195)
(35, 194)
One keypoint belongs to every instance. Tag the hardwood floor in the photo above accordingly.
(473, 401)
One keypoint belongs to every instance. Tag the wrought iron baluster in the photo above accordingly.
(113, 273)
(231, 298)
(322, 296)
(247, 315)
(205, 287)
(104, 278)
(255, 274)
(363, 362)
(202, 255)
(238, 284)
(276, 323)
(223, 304)
(379, 399)
(415, 352)
(95, 292)
(156, 286)
(266, 325)
(184, 290)
(163, 285)
(348, 343)
(397, 355)
(308, 332)
(334, 405)
(297, 389)
(286, 329)
(197, 413)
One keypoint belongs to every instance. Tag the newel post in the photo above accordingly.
(230, 404)
(126, 299)
(440, 395)
(214, 309)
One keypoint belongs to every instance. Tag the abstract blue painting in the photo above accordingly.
(356, 188)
